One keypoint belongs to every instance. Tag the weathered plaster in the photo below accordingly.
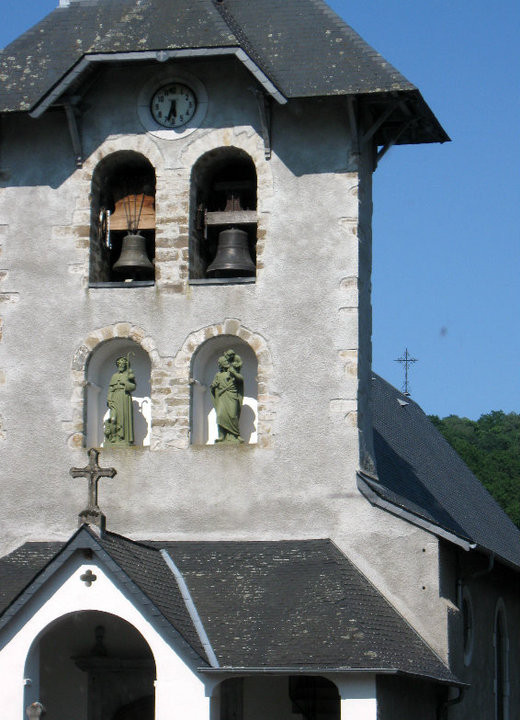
(307, 317)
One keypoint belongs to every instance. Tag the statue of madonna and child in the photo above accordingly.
(119, 426)
(227, 392)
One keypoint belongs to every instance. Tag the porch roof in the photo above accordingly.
(292, 606)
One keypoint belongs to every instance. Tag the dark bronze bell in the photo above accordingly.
(133, 259)
(232, 258)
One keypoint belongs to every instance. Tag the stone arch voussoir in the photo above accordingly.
(267, 399)
(141, 144)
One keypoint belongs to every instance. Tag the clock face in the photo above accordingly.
(173, 105)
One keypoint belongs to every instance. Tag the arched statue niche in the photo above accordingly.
(113, 391)
(122, 233)
(204, 371)
(91, 664)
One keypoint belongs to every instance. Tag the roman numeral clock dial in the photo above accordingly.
(173, 105)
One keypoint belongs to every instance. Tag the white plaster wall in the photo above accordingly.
(310, 305)
(177, 689)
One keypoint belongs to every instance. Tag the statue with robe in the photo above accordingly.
(227, 392)
(119, 427)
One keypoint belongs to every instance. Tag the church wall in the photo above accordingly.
(308, 313)
(488, 590)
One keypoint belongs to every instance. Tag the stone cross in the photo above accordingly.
(92, 514)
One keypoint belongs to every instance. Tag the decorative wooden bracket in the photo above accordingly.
(72, 112)
(264, 108)
(380, 120)
(393, 140)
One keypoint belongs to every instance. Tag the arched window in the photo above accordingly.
(103, 368)
(501, 644)
(223, 217)
(122, 237)
(468, 629)
(204, 368)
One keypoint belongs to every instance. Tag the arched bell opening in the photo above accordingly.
(113, 395)
(204, 369)
(223, 230)
(91, 665)
(122, 239)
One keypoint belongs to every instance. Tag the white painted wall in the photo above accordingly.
(358, 697)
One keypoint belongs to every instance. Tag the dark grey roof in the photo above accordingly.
(21, 566)
(419, 472)
(147, 569)
(302, 46)
(284, 605)
(297, 604)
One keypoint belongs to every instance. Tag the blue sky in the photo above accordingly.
(446, 281)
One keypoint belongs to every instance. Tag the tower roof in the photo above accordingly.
(300, 47)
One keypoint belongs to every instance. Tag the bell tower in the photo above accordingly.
(206, 220)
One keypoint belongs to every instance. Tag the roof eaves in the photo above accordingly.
(160, 56)
(448, 678)
(369, 490)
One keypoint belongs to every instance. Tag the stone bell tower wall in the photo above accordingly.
(307, 318)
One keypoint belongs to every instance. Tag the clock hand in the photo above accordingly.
(173, 111)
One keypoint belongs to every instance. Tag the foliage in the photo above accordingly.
(490, 446)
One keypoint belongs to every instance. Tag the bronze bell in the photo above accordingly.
(133, 259)
(232, 258)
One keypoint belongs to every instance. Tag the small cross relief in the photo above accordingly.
(88, 577)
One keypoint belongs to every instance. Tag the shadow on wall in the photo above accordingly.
(45, 156)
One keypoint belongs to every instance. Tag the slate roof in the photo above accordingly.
(303, 47)
(287, 605)
(419, 472)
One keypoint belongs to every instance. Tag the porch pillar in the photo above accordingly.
(175, 700)
(358, 697)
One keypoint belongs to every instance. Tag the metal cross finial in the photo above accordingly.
(92, 514)
(407, 360)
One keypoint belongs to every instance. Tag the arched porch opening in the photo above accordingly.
(91, 665)
(278, 697)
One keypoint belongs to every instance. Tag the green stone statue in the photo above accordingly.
(227, 391)
(119, 427)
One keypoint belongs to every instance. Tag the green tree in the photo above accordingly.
(490, 447)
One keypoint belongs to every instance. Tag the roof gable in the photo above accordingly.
(137, 569)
